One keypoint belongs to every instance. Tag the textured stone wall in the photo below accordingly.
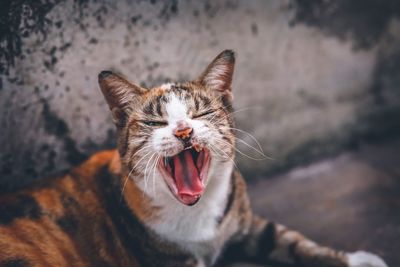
(311, 79)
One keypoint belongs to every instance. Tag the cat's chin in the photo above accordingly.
(186, 174)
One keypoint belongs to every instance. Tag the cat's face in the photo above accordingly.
(173, 134)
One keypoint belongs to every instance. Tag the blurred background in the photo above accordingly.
(316, 83)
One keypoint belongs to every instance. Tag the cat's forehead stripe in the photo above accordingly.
(158, 105)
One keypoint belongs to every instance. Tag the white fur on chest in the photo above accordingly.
(193, 228)
(181, 224)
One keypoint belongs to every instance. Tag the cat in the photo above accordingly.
(168, 196)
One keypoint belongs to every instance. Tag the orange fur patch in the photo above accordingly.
(139, 203)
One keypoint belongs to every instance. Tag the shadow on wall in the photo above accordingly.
(371, 26)
(318, 76)
(364, 22)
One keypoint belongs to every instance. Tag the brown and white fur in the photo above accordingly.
(121, 208)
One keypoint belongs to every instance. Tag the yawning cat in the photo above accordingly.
(169, 196)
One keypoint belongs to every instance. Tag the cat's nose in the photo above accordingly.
(183, 130)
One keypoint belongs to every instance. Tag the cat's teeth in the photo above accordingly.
(198, 147)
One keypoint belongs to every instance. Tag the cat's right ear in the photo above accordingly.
(119, 94)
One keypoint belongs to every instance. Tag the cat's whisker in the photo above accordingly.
(222, 142)
(250, 135)
(250, 146)
(259, 151)
(151, 169)
(123, 187)
(151, 164)
(140, 160)
(154, 173)
(145, 171)
(141, 149)
(238, 150)
(133, 168)
(129, 174)
(226, 157)
(217, 153)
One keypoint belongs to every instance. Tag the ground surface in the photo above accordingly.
(351, 201)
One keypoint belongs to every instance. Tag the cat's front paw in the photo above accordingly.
(365, 259)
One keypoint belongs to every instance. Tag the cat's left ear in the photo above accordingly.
(218, 75)
(119, 94)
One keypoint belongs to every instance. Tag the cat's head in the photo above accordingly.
(181, 132)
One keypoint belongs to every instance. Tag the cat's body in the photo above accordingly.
(169, 196)
(80, 220)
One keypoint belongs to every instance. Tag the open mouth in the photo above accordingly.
(185, 174)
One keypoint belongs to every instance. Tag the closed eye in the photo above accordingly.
(203, 114)
(155, 123)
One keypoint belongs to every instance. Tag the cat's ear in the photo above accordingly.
(218, 75)
(119, 94)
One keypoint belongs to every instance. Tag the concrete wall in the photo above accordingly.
(304, 86)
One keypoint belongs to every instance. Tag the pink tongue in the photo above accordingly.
(187, 177)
